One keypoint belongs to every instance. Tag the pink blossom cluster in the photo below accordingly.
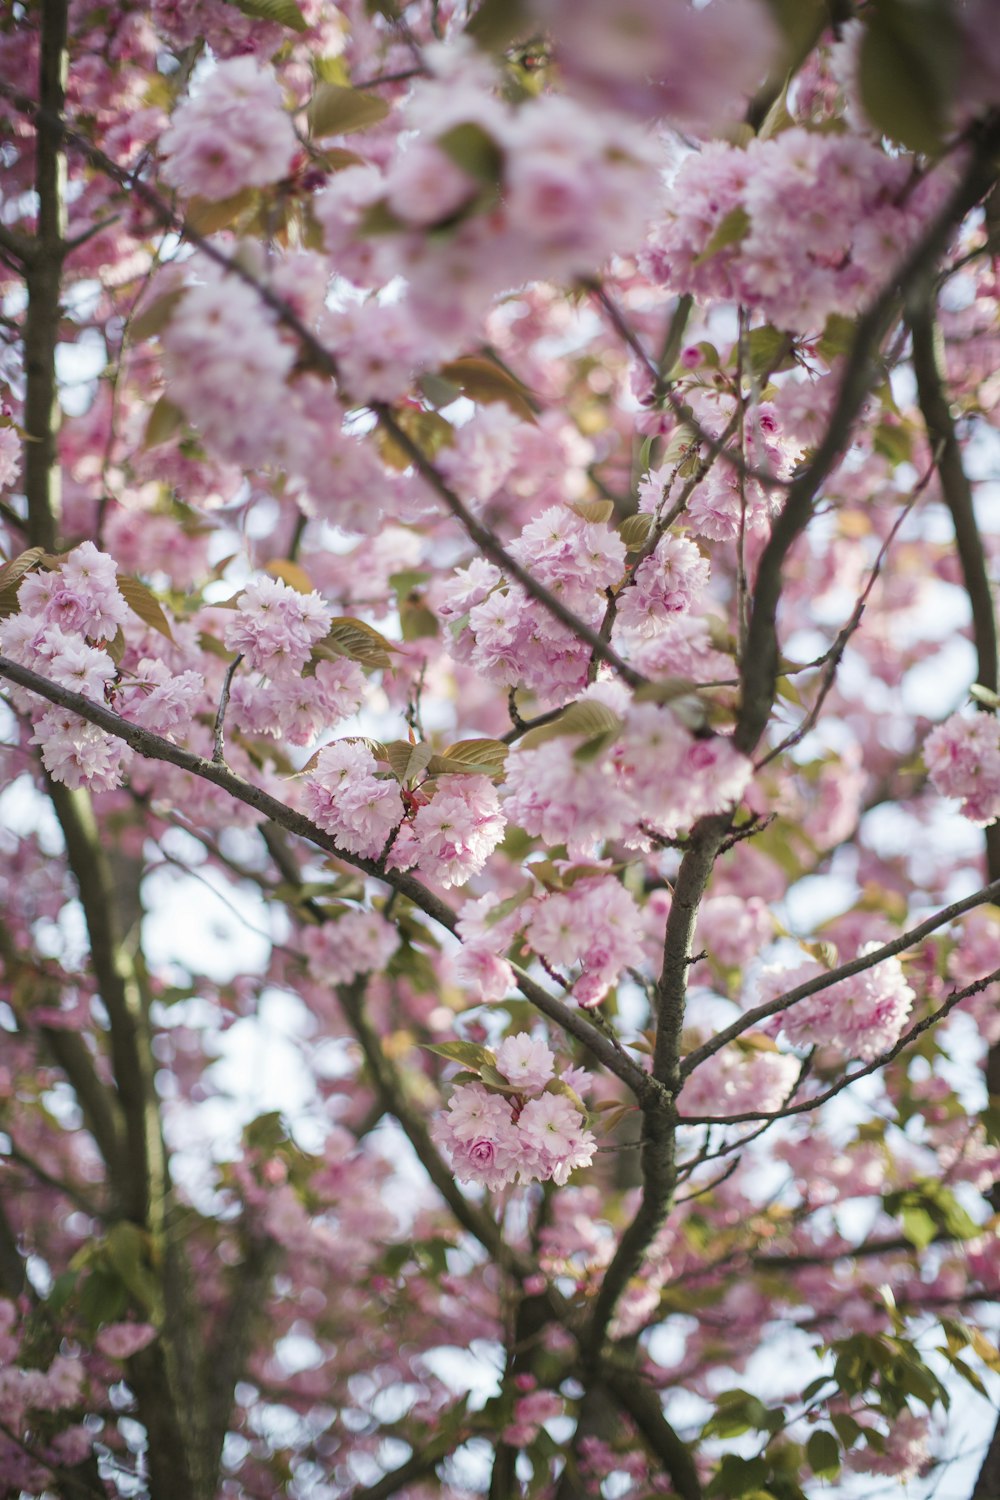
(356, 942)
(486, 934)
(275, 627)
(963, 758)
(230, 369)
(122, 1340)
(905, 1455)
(10, 456)
(449, 834)
(526, 1132)
(232, 132)
(861, 1017)
(976, 953)
(739, 1080)
(530, 1412)
(345, 796)
(669, 581)
(733, 929)
(655, 778)
(488, 196)
(508, 637)
(662, 57)
(66, 618)
(595, 926)
(808, 223)
(452, 834)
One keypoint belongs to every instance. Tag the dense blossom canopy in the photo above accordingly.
(498, 521)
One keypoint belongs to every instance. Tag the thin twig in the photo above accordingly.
(218, 754)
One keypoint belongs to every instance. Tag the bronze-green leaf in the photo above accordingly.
(354, 639)
(335, 110)
(282, 12)
(144, 603)
(164, 420)
(482, 380)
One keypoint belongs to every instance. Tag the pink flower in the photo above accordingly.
(454, 834)
(344, 796)
(276, 627)
(525, 1061)
(963, 758)
(554, 1129)
(231, 133)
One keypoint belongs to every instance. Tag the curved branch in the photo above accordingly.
(760, 665)
(847, 970)
(155, 747)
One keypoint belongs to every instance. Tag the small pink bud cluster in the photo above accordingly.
(963, 758)
(517, 1126)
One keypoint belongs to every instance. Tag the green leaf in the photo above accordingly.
(471, 758)
(918, 1226)
(770, 350)
(894, 443)
(427, 429)
(208, 216)
(837, 337)
(127, 1248)
(981, 694)
(470, 147)
(164, 420)
(823, 1454)
(730, 230)
(497, 1080)
(482, 380)
(906, 69)
(144, 603)
(801, 21)
(848, 1430)
(739, 1477)
(284, 12)
(634, 530)
(155, 316)
(736, 1412)
(12, 572)
(967, 1373)
(335, 110)
(586, 718)
(594, 511)
(291, 573)
(416, 621)
(357, 641)
(408, 761)
(497, 23)
(103, 1298)
(469, 1054)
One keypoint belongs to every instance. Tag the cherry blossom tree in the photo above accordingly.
(501, 496)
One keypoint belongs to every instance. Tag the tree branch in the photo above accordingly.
(807, 1105)
(750, 1018)
(155, 747)
(760, 664)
